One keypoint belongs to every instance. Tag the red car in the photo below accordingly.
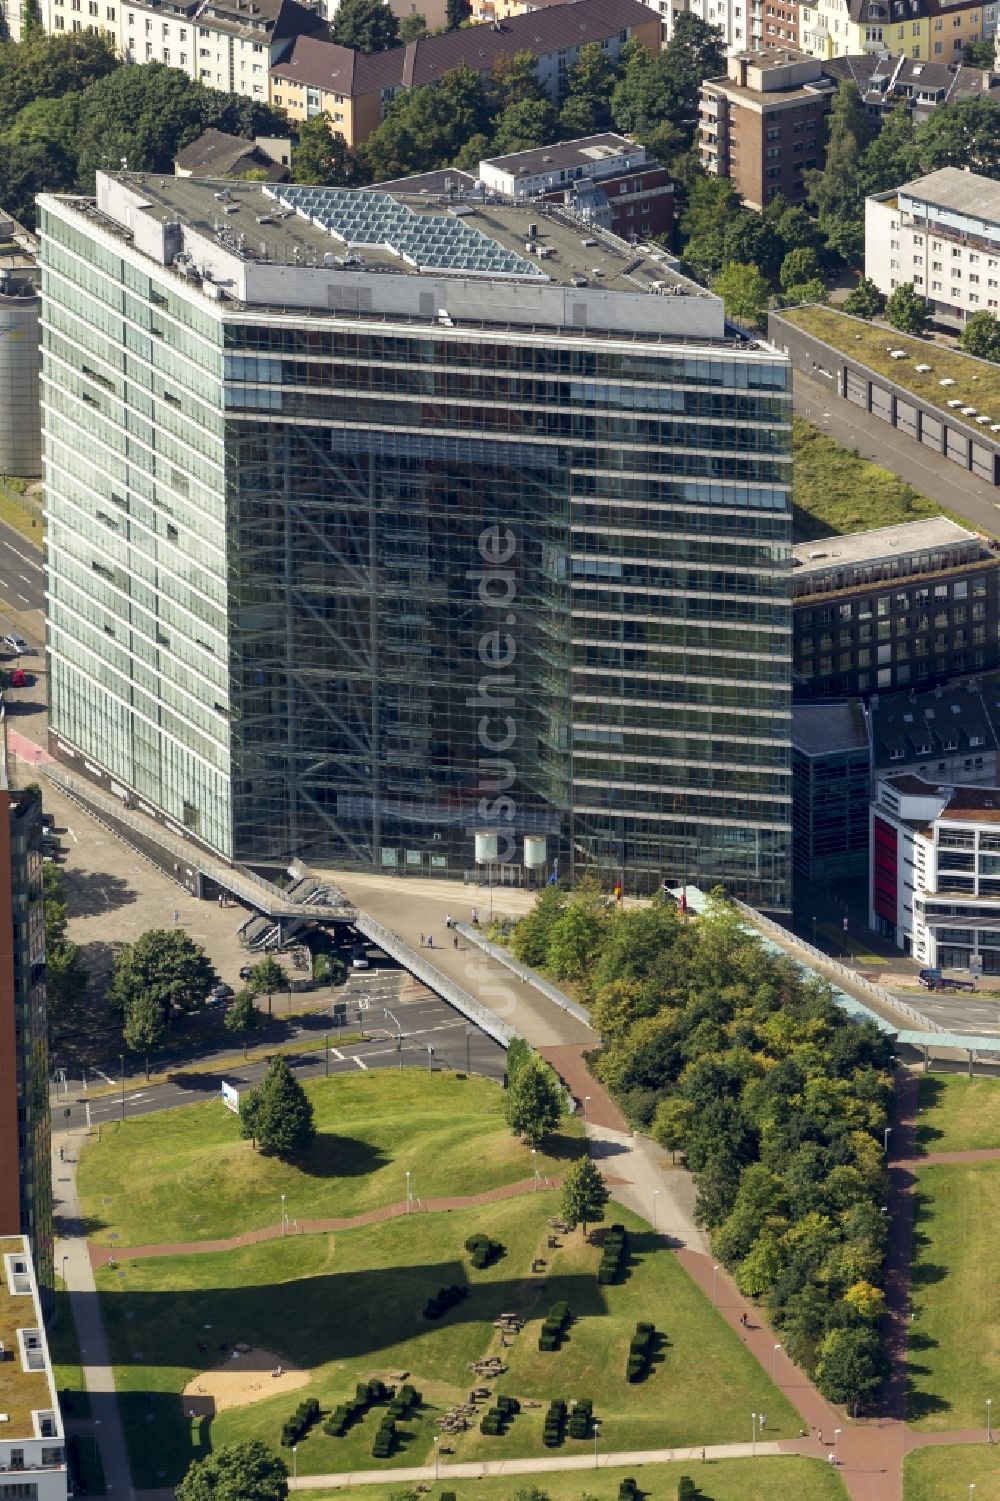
(21, 679)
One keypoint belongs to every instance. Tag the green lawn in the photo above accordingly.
(65, 1352)
(834, 492)
(765, 1479)
(958, 1114)
(954, 1345)
(348, 1307)
(190, 1177)
(930, 1474)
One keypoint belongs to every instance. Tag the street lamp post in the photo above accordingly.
(753, 1419)
(774, 1369)
(989, 1420)
(586, 1102)
(122, 1056)
(714, 1271)
(64, 1261)
(407, 1190)
(534, 1168)
(437, 1457)
(468, 1052)
(284, 1217)
(295, 1462)
(597, 1434)
(326, 1046)
(885, 1139)
(656, 1195)
(836, 1454)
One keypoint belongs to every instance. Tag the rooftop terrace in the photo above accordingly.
(21, 1392)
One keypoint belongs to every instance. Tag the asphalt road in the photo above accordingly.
(425, 1022)
(22, 576)
(934, 476)
(965, 1013)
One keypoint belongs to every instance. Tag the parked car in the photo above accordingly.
(16, 644)
(219, 993)
(245, 971)
(359, 957)
(21, 679)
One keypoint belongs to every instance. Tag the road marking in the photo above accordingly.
(361, 1064)
(23, 598)
(337, 1054)
(31, 562)
(73, 836)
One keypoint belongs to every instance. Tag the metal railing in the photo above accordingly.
(523, 972)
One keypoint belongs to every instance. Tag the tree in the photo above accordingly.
(713, 204)
(851, 1366)
(833, 190)
(29, 168)
(242, 1015)
(514, 80)
(411, 27)
(744, 291)
(54, 906)
(321, 156)
(576, 937)
(276, 1113)
(365, 26)
(907, 310)
(247, 1471)
(526, 125)
(799, 265)
(456, 11)
(749, 240)
(980, 55)
(965, 135)
(586, 107)
(31, 19)
(51, 67)
(981, 336)
(890, 158)
(806, 291)
(65, 984)
(530, 1493)
(529, 941)
(672, 1124)
(696, 51)
(165, 966)
(144, 1027)
(584, 1195)
(265, 977)
(866, 301)
(533, 1102)
(426, 127)
(867, 1301)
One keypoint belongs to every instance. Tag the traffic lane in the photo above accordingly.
(456, 1043)
(22, 575)
(962, 1014)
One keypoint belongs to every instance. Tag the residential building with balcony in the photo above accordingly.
(934, 885)
(900, 606)
(32, 1442)
(355, 89)
(942, 234)
(322, 438)
(762, 125)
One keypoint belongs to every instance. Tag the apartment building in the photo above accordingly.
(885, 82)
(923, 30)
(355, 89)
(32, 1443)
(942, 233)
(217, 154)
(762, 125)
(934, 887)
(25, 1170)
(605, 180)
(949, 733)
(351, 428)
(896, 607)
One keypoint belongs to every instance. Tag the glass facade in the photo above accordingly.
(362, 591)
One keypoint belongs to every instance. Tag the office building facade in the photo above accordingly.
(372, 528)
(25, 1168)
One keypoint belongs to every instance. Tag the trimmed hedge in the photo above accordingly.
(581, 1419)
(640, 1352)
(404, 1401)
(554, 1426)
(366, 1394)
(628, 1490)
(498, 1419)
(385, 1439)
(686, 1489)
(483, 1251)
(299, 1424)
(444, 1299)
(554, 1328)
(614, 1255)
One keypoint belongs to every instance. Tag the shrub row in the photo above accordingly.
(613, 1255)
(366, 1394)
(444, 1298)
(581, 1419)
(483, 1251)
(555, 1424)
(300, 1422)
(404, 1401)
(640, 1352)
(555, 1326)
(500, 1416)
(385, 1439)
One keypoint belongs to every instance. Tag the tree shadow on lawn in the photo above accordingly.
(564, 1148)
(923, 1273)
(931, 1090)
(366, 1314)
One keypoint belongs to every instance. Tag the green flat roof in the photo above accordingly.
(976, 382)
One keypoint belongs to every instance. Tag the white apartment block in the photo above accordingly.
(32, 1446)
(934, 886)
(942, 233)
(224, 44)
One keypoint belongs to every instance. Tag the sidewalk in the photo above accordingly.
(73, 1263)
(547, 1465)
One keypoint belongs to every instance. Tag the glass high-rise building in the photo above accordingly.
(379, 521)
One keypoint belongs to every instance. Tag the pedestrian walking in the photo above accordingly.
(475, 917)
(421, 940)
(61, 1158)
(177, 917)
(455, 940)
(763, 1421)
(447, 919)
(430, 940)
